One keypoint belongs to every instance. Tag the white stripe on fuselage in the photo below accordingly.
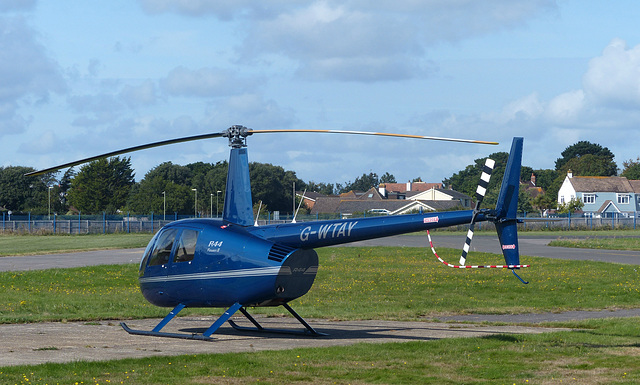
(238, 273)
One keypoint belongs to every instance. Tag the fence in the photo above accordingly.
(103, 224)
(86, 224)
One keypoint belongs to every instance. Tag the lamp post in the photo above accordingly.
(195, 206)
(164, 206)
(211, 206)
(50, 187)
(217, 192)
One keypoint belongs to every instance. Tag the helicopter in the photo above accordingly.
(231, 263)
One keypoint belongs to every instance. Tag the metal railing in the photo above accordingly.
(106, 224)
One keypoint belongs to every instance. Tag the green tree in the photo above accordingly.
(582, 148)
(591, 165)
(388, 178)
(213, 181)
(544, 202)
(631, 169)
(102, 185)
(273, 186)
(20, 194)
(322, 188)
(171, 179)
(575, 204)
(171, 172)
(152, 192)
(362, 183)
(545, 178)
(466, 181)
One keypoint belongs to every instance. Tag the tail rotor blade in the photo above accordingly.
(484, 180)
(480, 193)
(467, 245)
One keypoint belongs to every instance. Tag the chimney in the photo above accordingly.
(382, 189)
(408, 186)
(533, 179)
(570, 173)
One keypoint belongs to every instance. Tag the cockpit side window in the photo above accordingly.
(186, 248)
(162, 250)
(147, 253)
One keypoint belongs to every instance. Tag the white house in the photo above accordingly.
(437, 194)
(602, 196)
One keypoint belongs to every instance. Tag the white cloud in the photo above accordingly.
(204, 82)
(250, 110)
(566, 108)
(613, 79)
(27, 74)
(17, 5)
(224, 9)
(526, 108)
(144, 94)
(357, 40)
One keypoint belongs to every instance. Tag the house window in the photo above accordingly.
(589, 198)
(623, 199)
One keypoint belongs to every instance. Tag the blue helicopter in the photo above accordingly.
(230, 263)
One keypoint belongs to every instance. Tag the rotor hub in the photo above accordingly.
(237, 135)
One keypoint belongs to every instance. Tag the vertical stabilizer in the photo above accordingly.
(238, 207)
(507, 207)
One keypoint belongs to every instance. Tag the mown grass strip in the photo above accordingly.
(605, 352)
(352, 283)
(47, 244)
(616, 243)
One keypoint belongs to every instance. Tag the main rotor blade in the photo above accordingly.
(372, 133)
(127, 150)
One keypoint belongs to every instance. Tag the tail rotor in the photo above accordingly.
(480, 193)
(504, 215)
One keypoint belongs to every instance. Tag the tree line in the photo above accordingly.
(108, 185)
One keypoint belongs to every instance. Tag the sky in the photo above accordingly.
(90, 77)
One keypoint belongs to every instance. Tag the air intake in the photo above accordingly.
(279, 252)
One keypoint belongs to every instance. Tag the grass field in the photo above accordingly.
(365, 283)
(46, 244)
(599, 243)
(352, 283)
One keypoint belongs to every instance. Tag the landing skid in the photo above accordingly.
(206, 335)
(308, 330)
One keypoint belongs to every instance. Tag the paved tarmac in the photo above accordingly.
(66, 342)
(76, 259)
(105, 340)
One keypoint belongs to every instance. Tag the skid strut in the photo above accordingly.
(206, 336)
(308, 330)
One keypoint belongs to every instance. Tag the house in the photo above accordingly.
(438, 194)
(383, 201)
(409, 186)
(531, 188)
(309, 197)
(603, 197)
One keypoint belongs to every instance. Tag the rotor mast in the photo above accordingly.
(237, 135)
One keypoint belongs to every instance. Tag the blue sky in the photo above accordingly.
(97, 76)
